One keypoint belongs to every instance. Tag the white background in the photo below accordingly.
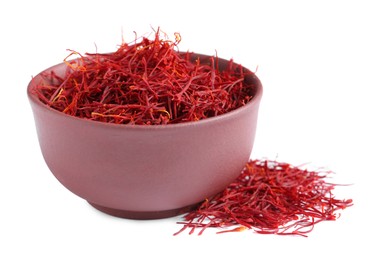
(319, 65)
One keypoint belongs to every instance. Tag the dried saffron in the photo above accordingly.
(150, 82)
(269, 197)
(146, 83)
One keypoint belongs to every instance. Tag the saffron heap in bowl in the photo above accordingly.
(147, 82)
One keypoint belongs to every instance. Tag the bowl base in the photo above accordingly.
(143, 215)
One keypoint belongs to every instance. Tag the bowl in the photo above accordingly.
(146, 172)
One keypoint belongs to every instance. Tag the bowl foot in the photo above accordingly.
(143, 214)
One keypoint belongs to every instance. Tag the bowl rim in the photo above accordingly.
(254, 101)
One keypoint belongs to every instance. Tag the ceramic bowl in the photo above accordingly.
(145, 172)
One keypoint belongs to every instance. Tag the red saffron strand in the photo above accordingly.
(269, 197)
(146, 82)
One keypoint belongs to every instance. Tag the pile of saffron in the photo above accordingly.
(269, 197)
(146, 82)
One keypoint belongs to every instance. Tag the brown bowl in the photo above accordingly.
(145, 172)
